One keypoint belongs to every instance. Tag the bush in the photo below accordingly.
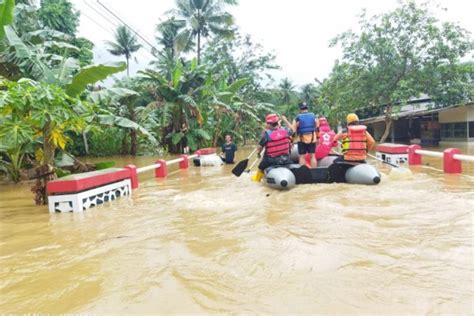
(108, 142)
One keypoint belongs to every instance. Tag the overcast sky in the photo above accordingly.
(296, 31)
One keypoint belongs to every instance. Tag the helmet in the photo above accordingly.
(303, 106)
(352, 117)
(271, 118)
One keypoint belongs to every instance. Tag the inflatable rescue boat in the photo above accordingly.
(287, 176)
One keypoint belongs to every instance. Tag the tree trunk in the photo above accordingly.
(133, 132)
(199, 49)
(125, 148)
(128, 70)
(86, 144)
(48, 146)
(133, 142)
(388, 123)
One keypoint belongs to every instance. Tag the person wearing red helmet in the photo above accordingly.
(277, 143)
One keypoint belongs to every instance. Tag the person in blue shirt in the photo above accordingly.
(228, 150)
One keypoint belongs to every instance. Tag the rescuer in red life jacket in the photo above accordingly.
(277, 143)
(355, 139)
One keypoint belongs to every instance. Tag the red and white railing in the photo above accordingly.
(452, 158)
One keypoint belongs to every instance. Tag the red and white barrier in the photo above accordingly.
(452, 158)
(392, 153)
(78, 192)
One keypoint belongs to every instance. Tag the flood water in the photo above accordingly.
(204, 241)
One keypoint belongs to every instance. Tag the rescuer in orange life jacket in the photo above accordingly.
(355, 140)
(277, 143)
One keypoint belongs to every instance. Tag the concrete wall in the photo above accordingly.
(455, 115)
(460, 114)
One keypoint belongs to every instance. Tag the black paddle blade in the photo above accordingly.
(240, 168)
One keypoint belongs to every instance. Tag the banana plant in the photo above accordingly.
(51, 72)
(181, 116)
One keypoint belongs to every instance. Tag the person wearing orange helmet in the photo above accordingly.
(277, 143)
(355, 140)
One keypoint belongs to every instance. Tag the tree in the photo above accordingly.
(125, 44)
(286, 93)
(397, 56)
(36, 112)
(180, 113)
(61, 72)
(309, 94)
(202, 18)
(59, 15)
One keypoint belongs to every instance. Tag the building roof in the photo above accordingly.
(422, 107)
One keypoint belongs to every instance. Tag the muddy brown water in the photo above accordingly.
(204, 241)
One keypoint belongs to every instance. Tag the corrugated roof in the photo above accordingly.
(413, 112)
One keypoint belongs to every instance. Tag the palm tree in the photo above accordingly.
(286, 90)
(125, 44)
(309, 93)
(168, 33)
(202, 18)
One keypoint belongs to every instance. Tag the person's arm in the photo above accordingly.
(285, 120)
(262, 143)
(338, 137)
(370, 141)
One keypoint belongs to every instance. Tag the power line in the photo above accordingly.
(95, 22)
(99, 13)
(126, 24)
(111, 32)
(131, 26)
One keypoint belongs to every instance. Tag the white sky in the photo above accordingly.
(297, 31)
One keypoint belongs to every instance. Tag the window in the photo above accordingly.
(454, 130)
(471, 129)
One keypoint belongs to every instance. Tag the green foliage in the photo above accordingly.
(201, 19)
(84, 55)
(6, 15)
(125, 44)
(104, 165)
(59, 15)
(32, 113)
(106, 142)
(399, 55)
(91, 74)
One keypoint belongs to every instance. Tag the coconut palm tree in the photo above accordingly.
(125, 44)
(309, 94)
(202, 18)
(286, 92)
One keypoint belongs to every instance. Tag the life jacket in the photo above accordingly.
(306, 123)
(278, 142)
(354, 145)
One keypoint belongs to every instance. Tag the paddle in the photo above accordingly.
(254, 162)
(242, 165)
